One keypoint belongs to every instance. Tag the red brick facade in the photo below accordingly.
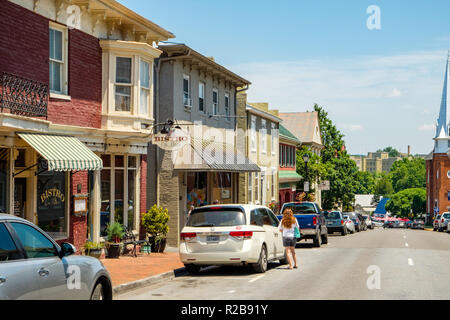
(438, 183)
(24, 51)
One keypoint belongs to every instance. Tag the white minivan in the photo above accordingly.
(231, 235)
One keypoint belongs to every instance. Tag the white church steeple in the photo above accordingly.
(442, 128)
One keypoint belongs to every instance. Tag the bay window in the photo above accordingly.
(123, 84)
(145, 88)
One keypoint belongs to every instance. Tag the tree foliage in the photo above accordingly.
(407, 174)
(405, 201)
(365, 182)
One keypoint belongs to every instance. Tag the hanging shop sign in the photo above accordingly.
(172, 141)
(80, 205)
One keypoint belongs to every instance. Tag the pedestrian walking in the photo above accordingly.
(287, 226)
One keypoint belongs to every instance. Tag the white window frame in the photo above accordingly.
(253, 133)
(274, 137)
(187, 95)
(64, 76)
(263, 134)
(148, 90)
(131, 84)
(215, 106)
(250, 187)
(227, 105)
(201, 96)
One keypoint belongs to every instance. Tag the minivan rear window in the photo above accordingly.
(333, 215)
(446, 215)
(209, 217)
(300, 208)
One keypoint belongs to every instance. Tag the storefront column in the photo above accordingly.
(95, 207)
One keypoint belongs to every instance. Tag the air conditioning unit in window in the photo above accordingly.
(187, 103)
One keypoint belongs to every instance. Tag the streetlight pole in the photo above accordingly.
(306, 160)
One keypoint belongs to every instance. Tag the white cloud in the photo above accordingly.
(427, 127)
(358, 91)
(395, 93)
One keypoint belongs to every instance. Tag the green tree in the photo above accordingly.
(407, 174)
(392, 152)
(316, 169)
(408, 203)
(366, 182)
(341, 171)
(383, 186)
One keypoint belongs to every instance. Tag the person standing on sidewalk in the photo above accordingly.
(287, 227)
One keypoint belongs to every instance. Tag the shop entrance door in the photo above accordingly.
(20, 197)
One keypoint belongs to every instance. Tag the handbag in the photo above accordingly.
(297, 233)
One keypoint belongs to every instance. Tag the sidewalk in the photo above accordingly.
(129, 273)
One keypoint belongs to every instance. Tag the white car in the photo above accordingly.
(231, 235)
(369, 222)
(377, 223)
(349, 224)
(443, 222)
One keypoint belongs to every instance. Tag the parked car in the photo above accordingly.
(231, 235)
(34, 267)
(443, 222)
(355, 219)
(311, 220)
(388, 224)
(377, 223)
(418, 224)
(368, 221)
(363, 226)
(436, 222)
(335, 222)
(408, 224)
(349, 224)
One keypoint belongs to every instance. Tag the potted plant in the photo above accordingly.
(156, 223)
(114, 233)
(93, 249)
(274, 206)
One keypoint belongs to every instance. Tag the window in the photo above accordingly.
(201, 97)
(123, 84)
(256, 218)
(253, 133)
(57, 58)
(8, 250)
(250, 187)
(145, 87)
(256, 185)
(118, 191)
(186, 92)
(263, 133)
(4, 179)
(36, 245)
(227, 105)
(215, 102)
(273, 133)
(280, 158)
(52, 214)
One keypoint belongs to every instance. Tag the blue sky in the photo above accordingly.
(380, 87)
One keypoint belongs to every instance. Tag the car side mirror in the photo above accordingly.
(67, 249)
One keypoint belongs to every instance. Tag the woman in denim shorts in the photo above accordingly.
(287, 227)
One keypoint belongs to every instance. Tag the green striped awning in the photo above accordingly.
(63, 153)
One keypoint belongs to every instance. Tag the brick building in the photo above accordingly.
(438, 161)
(76, 112)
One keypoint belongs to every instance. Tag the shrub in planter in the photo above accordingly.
(115, 233)
(93, 249)
(156, 223)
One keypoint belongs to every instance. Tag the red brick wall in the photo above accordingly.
(438, 187)
(24, 51)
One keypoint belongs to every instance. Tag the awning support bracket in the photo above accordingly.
(26, 169)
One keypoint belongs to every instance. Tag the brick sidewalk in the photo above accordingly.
(128, 269)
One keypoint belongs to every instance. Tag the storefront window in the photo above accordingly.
(105, 214)
(4, 179)
(222, 187)
(197, 189)
(51, 202)
(125, 177)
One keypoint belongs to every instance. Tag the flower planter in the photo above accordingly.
(157, 246)
(146, 249)
(96, 253)
(113, 251)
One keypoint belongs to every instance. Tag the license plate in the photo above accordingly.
(330, 223)
(212, 238)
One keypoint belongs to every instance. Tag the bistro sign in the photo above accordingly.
(174, 140)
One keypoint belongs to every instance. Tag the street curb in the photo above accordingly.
(166, 276)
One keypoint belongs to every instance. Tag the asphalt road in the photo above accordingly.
(402, 264)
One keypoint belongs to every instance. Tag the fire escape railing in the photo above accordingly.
(23, 96)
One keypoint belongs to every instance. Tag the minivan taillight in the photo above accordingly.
(185, 236)
(442, 221)
(242, 235)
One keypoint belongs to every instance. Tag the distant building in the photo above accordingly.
(364, 204)
(377, 161)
